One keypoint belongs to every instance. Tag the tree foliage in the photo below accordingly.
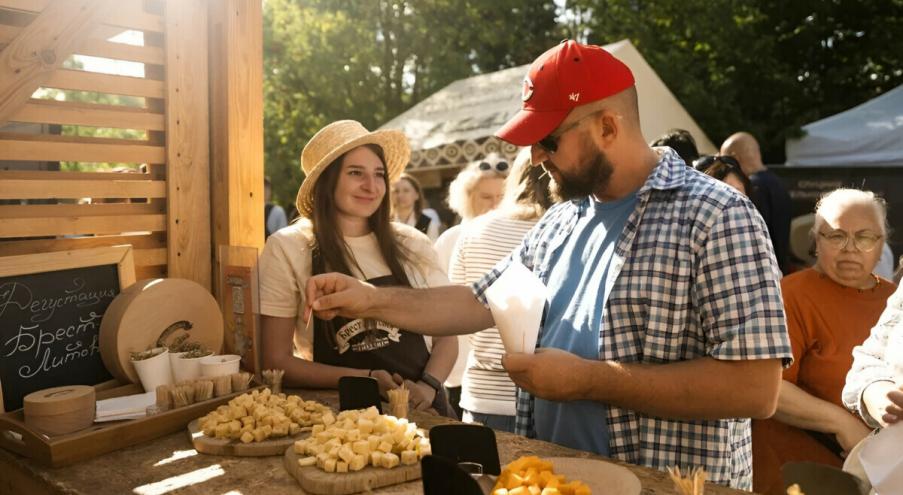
(370, 60)
(767, 66)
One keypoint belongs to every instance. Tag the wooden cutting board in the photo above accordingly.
(222, 446)
(318, 482)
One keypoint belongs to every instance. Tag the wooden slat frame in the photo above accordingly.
(80, 150)
(74, 113)
(187, 141)
(99, 47)
(41, 47)
(128, 14)
(61, 175)
(152, 241)
(79, 80)
(50, 189)
(33, 227)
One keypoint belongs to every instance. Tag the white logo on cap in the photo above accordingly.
(527, 90)
(574, 96)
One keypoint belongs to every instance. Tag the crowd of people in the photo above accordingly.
(676, 331)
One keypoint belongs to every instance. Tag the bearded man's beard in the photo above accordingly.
(592, 176)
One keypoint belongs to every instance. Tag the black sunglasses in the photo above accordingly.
(702, 164)
(500, 167)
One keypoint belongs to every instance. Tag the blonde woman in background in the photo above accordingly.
(477, 189)
(487, 392)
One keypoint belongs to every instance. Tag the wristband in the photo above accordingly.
(431, 381)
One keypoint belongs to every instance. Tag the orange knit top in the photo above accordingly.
(825, 320)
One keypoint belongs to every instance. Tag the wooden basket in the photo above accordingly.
(101, 438)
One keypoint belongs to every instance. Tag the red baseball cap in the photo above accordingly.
(565, 77)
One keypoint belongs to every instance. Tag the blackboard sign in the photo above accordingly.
(50, 319)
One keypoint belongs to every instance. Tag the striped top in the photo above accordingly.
(486, 387)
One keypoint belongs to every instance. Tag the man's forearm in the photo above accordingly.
(442, 358)
(438, 311)
(703, 388)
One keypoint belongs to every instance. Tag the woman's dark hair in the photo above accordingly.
(420, 204)
(720, 166)
(680, 141)
(330, 244)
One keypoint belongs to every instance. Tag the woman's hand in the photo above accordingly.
(850, 432)
(386, 382)
(893, 413)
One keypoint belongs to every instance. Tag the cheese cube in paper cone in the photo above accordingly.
(516, 300)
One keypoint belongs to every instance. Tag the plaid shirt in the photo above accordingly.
(694, 275)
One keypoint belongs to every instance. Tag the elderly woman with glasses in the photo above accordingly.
(726, 169)
(830, 309)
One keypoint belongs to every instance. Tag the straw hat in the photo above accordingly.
(338, 138)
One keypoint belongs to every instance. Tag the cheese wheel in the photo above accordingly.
(60, 410)
(157, 309)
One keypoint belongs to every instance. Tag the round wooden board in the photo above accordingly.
(140, 314)
(221, 446)
(318, 482)
(600, 476)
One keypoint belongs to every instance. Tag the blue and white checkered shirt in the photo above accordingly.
(694, 275)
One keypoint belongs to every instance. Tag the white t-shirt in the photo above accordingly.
(285, 265)
(432, 230)
(486, 387)
(445, 249)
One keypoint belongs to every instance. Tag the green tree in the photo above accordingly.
(370, 60)
(766, 66)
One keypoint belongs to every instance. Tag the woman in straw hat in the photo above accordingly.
(345, 227)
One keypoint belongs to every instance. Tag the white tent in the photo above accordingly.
(870, 134)
(456, 124)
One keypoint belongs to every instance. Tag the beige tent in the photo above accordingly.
(455, 125)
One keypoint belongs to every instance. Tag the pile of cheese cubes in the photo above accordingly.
(260, 415)
(356, 439)
(530, 475)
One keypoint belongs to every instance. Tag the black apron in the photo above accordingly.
(423, 223)
(366, 343)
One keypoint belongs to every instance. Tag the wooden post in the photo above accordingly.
(236, 118)
(190, 252)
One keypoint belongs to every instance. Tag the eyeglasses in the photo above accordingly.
(864, 241)
(705, 162)
(500, 167)
(550, 142)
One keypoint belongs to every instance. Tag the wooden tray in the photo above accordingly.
(101, 438)
(224, 446)
(316, 481)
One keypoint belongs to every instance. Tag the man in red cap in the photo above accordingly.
(664, 327)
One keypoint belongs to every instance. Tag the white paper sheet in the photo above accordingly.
(126, 407)
(516, 300)
(882, 460)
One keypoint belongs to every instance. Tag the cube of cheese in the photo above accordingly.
(247, 437)
(300, 447)
(408, 457)
(359, 462)
(385, 447)
(376, 458)
(365, 426)
(345, 453)
(307, 461)
(352, 435)
(361, 447)
(329, 466)
(341, 467)
(390, 461)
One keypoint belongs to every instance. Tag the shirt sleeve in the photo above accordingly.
(870, 362)
(280, 293)
(738, 290)
(796, 331)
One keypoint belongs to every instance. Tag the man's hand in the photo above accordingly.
(334, 294)
(386, 382)
(421, 395)
(550, 374)
(893, 413)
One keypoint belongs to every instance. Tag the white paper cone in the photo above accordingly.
(213, 366)
(882, 460)
(516, 300)
(185, 369)
(154, 371)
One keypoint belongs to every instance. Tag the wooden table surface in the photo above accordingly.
(170, 465)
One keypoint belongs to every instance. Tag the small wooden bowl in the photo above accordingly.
(60, 410)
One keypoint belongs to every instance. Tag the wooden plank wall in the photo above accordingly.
(160, 200)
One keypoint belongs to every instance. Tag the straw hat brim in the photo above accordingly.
(395, 148)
